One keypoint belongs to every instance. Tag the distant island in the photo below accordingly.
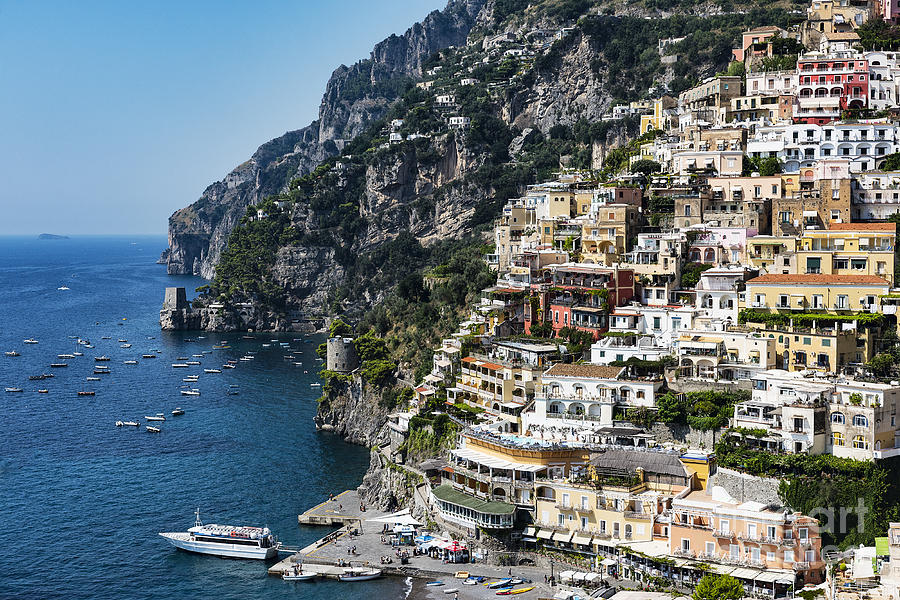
(52, 236)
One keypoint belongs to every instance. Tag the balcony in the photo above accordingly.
(788, 542)
(564, 506)
(725, 535)
(683, 553)
(630, 514)
(801, 566)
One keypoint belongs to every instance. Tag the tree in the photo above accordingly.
(736, 68)
(719, 587)
(670, 409)
(881, 364)
(647, 167)
(339, 329)
(891, 162)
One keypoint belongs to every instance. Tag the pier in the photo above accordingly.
(341, 511)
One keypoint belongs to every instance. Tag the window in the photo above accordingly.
(860, 443)
(788, 556)
(770, 556)
(813, 265)
(860, 421)
(686, 544)
(770, 532)
(837, 438)
(784, 301)
(810, 556)
(842, 301)
(818, 301)
(734, 550)
(561, 520)
(710, 549)
(837, 418)
(723, 526)
(656, 322)
(841, 263)
(803, 533)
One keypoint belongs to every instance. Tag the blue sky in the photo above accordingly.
(115, 114)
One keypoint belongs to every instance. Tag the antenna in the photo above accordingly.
(197, 522)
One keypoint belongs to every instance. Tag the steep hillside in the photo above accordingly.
(338, 238)
(354, 96)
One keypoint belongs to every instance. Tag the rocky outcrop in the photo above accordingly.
(386, 486)
(353, 411)
(354, 97)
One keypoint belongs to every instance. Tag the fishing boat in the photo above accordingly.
(190, 392)
(158, 417)
(84, 393)
(30, 341)
(12, 353)
(178, 411)
(43, 391)
(152, 429)
(300, 576)
(226, 540)
(359, 574)
(58, 365)
(212, 370)
(13, 390)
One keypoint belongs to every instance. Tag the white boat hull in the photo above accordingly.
(183, 541)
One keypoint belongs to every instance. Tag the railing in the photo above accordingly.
(801, 566)
(727, 535)
(683, 553)
(564, 506)
(788, 542)
(630, 514)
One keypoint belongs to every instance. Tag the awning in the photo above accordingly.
(559, 536)
(530, 530)
(579, 538)
(810, 213)
(768, 576)
(398, 518)
(544, 534)
(607, 562)
(580, 576)
(566, 574)
(741, 573)
(592, 576)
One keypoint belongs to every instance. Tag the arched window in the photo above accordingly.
(860, 443)
(837, 417)
(860, 421)
(837, 438)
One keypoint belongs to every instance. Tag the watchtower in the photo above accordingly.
(176, 299)
(341, 356)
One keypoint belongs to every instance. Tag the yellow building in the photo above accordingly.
(618, 501)
(604, 238)
(772, 254)
(849, 249)
(815, 292)
(654, 120)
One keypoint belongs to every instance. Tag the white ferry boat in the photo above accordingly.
(226, 540)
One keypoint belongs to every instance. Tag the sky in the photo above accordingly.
(115, 114)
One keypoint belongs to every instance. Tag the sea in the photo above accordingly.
(82, 501)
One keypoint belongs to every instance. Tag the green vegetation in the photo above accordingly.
(766, 167)
(429, 436)
(718, 587)
(878, 34)
(690, 274)
(752, 315)
(701, 410)
(815, 484)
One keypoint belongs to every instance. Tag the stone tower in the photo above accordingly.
(176, 299)
(341, 356)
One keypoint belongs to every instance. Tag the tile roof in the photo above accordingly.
(599, 371)
(892, 227)
(819, 278)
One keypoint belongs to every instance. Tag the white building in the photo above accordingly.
(875, 196)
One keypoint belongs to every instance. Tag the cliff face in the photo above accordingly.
(353, 411)
(354, 96)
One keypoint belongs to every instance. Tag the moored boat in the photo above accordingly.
(190, 392)
(158, 417)
(212, 370)
(290, 576)
(43, 391)
(101, 358)
(180, 365)
(13, 390)
(152, 429)
(92, 378)
(30, 341)
(83, 393)
(148, 356)
(359, 574)
(58, 365)
(131, 362)
(12, 353)
(226, 540)
(178, 411)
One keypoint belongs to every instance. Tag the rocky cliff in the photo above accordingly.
(353, 410)
(354, 96)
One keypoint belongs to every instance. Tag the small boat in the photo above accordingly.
(461, 575)
(190, 392)
(515, 591)
(193, 362)
(36, 377)
(267, 345)
(353, 574)
(315, 385)
(473, 580)
(120, 423)
(190, 340)
(197, 355)
(212, 370)
(131, 423)
(58, 365)
(298, 576)
(12, 353)
(30, 341)
(122, 341)
(88, 345)
(148, 356)
(83, 393)
(105, 337)
(189, 379)
(78, 353)
(62, 288)
(131, 362)
(227, 366)
(451, 590)
(245, 358)
(152, 429)
(43, 391)
(125, 346)
(180, 365)
(65, 356)
(158, 417)
(102, 371)
(13, 390)
(499, 584)
(177, 412)
(435, 583)
(298, 364)
(101, 359)
(92, 379)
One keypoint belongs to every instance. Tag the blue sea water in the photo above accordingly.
(81, 501)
